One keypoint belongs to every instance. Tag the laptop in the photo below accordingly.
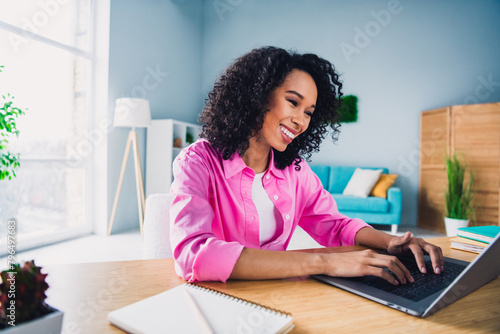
(430, 292)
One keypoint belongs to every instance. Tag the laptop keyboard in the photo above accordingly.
(424, 285)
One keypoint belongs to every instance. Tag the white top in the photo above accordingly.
(268, 214)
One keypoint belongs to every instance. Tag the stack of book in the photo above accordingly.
(475, 238)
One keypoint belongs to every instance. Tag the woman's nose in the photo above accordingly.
(299, 121)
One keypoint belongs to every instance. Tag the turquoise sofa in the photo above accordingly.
(373, 210)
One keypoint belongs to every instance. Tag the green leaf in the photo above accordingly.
(459, 196)
(8, 116)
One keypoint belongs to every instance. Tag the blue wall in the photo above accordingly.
(398, 57)
(155, 53)
(426, 54)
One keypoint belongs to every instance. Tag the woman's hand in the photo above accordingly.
(367, 262)
(417, 246)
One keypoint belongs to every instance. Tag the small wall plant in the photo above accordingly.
(8, 115)
(22, 294)
(348, 109)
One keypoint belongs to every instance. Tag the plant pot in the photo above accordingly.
(452, 225)
(50, 323)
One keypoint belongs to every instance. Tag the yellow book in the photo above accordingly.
(468, 245)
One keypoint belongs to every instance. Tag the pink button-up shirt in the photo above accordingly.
(213, 216)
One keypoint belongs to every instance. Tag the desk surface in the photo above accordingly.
(87, 292)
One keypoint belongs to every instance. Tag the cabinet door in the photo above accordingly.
(434, 137)
(476, 134)
(434, 146)
(431, 205)
(475, 137)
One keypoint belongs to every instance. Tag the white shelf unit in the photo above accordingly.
(160, 151)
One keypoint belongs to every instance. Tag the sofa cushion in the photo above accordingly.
(383, 184)
(362, 182)
(354, 203)
(340, 176)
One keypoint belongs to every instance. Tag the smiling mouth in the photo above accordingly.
(287, 133)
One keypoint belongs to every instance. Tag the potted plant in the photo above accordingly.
(8, 115)
(22, 296)
(458, 197)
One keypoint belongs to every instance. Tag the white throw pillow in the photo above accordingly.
(362, 182)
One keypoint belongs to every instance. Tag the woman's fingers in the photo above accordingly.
(436, 255)
(395, 266)
(419, 256)
(379, 272)
(399, 244)
(362, 263)
(418, 246)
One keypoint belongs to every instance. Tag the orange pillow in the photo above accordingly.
(385, 181)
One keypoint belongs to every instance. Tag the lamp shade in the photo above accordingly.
(132, 113)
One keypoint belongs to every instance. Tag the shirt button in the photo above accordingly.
(275, 197)
(267, 177)
(287, 217)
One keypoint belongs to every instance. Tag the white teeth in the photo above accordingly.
(288, 133)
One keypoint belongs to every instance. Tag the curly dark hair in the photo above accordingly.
(237, 104)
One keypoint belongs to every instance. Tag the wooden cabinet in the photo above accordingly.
(473, 132)
(165, 140)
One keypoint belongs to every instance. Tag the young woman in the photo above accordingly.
(241, 191)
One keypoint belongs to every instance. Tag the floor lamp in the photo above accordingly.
(131, 113)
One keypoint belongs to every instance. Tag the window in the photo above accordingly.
(47, 53)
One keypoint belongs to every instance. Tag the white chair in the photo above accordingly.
(157, 227)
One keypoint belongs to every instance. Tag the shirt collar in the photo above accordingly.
(235, 165)
(272, 168)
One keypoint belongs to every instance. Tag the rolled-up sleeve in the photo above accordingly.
(199, 254)
(320, 217)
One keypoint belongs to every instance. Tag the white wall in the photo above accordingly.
(155, 53)
(398, 57)
(427, 54)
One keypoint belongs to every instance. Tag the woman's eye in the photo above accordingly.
(293, 102)
(308, 113)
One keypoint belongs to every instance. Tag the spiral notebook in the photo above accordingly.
(172, 312)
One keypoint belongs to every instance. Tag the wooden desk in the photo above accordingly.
(87, 292)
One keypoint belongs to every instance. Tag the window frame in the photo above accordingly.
(95, 164)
